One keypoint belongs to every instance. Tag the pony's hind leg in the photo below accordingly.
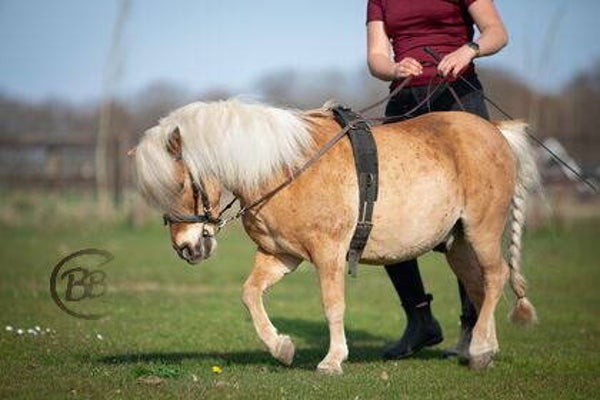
(268, 270)
(465, 265)
(484, 344)
(483, 241)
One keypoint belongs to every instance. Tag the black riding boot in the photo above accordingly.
(422, 329)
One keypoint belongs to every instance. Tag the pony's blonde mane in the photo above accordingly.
(239, 144)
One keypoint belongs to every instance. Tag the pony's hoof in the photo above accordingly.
(481, 362)
(285, 350)
(329, 368)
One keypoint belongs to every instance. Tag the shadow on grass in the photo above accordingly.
(364, 348)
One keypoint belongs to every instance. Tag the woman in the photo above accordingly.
(403, 28)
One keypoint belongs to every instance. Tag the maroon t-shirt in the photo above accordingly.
(443, 25)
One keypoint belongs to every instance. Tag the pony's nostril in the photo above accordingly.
(185, 251)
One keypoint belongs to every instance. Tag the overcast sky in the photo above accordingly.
(59, 48)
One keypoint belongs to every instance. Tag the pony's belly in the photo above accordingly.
(409, 237)
(386, 255)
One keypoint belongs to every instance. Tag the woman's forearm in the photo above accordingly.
(381, 67)
(492, 40)
(493, 35)
(379, 51)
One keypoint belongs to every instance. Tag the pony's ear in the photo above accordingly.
(174, 143)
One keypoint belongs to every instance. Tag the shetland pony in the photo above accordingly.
(445, 178)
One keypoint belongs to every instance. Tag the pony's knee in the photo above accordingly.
(249, 293)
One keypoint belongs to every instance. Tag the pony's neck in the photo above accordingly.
(322, 128)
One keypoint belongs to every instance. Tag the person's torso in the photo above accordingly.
(443, 25)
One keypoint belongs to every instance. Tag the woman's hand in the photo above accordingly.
(408, 66)
(493, 37)
(455, 62)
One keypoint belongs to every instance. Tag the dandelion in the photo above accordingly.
(216, 369)
(19, 331)
(37, 328)
(9, 328)
(99, 336)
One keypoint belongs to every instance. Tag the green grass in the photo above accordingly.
(170, 323)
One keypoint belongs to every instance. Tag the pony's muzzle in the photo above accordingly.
(197, 252)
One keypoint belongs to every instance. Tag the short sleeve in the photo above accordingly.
(375, 10)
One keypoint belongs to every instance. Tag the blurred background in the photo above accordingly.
(80, 81)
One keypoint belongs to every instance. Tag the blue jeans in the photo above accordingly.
(410, 97)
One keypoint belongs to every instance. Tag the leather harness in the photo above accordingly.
(367, 170)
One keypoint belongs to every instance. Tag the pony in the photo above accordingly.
(447, 179)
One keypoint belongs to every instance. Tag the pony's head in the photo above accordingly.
(190, 204)
(184, 161)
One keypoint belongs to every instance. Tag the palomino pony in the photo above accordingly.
(447, 177)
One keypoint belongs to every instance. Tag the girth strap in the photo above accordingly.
(367, 170)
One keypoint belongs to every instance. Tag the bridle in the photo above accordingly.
(200, 199)
(199, 193)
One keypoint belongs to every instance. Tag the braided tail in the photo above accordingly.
(523, 311)
(527, 179)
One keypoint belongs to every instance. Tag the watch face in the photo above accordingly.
(474, 46)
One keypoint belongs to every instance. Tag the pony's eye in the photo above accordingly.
(181, 185)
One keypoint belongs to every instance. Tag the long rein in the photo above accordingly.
(220, 222)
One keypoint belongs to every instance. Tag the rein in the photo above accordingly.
(219, 222)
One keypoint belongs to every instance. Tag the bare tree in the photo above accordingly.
(112, 73)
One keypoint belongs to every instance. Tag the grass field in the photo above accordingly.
(170, 324)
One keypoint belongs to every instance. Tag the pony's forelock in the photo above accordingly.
(155, 169)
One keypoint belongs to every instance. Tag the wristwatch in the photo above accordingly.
(475, 47)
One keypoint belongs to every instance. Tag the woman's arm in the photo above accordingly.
(379, 56)
(493, 37)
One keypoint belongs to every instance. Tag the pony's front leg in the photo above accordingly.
(332, 281)
(268, 270)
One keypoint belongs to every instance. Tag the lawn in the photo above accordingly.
(177, 331)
